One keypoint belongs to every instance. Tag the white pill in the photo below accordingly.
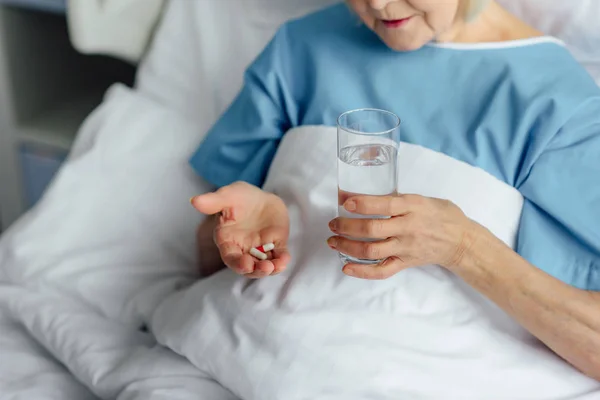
(268, 247)
(258, 254)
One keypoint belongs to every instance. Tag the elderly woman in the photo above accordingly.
(471, 81)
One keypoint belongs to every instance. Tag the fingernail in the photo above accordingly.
(348, 271)
(332, 242)
(350, 205)
(192, 200)
(333, 225)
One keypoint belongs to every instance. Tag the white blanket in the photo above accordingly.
(28, 371)
(313, 333)
(77, 284)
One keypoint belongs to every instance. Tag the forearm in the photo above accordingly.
(566, 319)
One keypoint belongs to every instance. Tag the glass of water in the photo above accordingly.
(368, 142)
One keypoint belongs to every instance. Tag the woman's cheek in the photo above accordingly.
(368, 20)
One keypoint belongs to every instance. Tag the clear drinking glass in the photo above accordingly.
(368, 142)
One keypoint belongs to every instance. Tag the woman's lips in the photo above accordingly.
(396, 23)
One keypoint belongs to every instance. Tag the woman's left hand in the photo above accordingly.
(421, 231)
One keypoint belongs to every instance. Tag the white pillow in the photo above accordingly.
(575, 22)
(203, 47)
(115, 229)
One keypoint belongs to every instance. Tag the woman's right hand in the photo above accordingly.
(248, 217)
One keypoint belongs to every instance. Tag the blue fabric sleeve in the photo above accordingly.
(560, 225)
(242, 143)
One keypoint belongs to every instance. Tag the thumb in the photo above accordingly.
(209, 203)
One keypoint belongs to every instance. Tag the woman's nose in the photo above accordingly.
(379, 4)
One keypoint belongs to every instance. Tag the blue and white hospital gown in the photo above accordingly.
(524, 111)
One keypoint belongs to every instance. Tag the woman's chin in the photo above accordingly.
(405, 46)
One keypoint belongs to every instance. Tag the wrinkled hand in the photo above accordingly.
(247, 217)
(421, 231)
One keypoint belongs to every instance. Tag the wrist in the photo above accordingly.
(475, 240)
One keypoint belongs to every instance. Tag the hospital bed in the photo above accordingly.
(83, 272)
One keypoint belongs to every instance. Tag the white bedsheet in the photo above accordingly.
(81, 282)
(113, 360)
(113, 238)
(28, 371)
(313, 333)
